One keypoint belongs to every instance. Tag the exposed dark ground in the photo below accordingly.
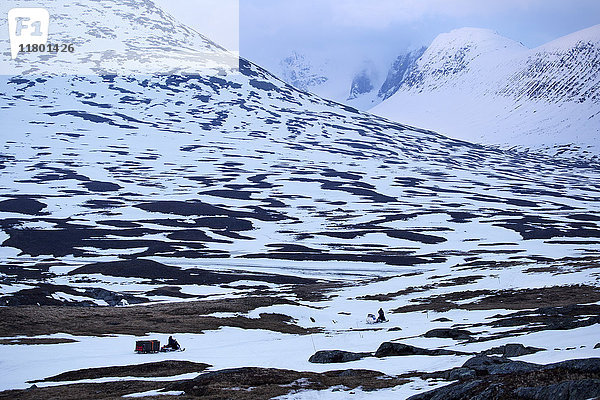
(237, 383)
(36, 341)
(95, 391)
(154, 369)
(512, 299)
(481, 377)
(549, 308)
(138, 320)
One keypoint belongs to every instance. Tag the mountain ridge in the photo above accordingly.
(159, 44)
(505, 94)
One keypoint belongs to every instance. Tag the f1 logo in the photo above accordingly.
(27, 26)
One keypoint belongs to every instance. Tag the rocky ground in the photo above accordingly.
(483, 369)
(480, 377)
(193, 317)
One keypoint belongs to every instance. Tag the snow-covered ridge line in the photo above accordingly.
(115, 37)
(476, 85)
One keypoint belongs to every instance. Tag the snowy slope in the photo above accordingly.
(160, 187)
(136, 167)
(108, 38)
(476, 85)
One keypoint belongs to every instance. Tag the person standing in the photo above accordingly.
(381, 317)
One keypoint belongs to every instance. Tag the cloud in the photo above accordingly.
(271, 29)
(381, 13)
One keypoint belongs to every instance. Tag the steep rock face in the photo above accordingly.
(348, 81)
(474, 84)
(361, 84)
(401, 68)
(457, 54)
(566, 70)
(337, 79)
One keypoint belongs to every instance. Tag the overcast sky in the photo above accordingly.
(270, 30)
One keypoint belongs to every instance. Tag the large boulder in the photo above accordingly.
(336, 356)
(582, 366)
(486, 365)
(450, 333)
(387, 349)
(498, 378)
(512, 350)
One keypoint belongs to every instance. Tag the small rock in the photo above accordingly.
(597, 346)
(449, 392)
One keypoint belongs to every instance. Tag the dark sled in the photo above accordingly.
(147, 346)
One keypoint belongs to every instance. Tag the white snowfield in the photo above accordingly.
(476, 85)
(115, 186)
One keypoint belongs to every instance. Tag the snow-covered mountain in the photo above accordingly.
(110, 39)
(239, 165)
(222, 184)
(280, 168)
(476, 85)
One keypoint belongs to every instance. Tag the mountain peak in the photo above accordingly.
(469, 39)
(117, 37)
